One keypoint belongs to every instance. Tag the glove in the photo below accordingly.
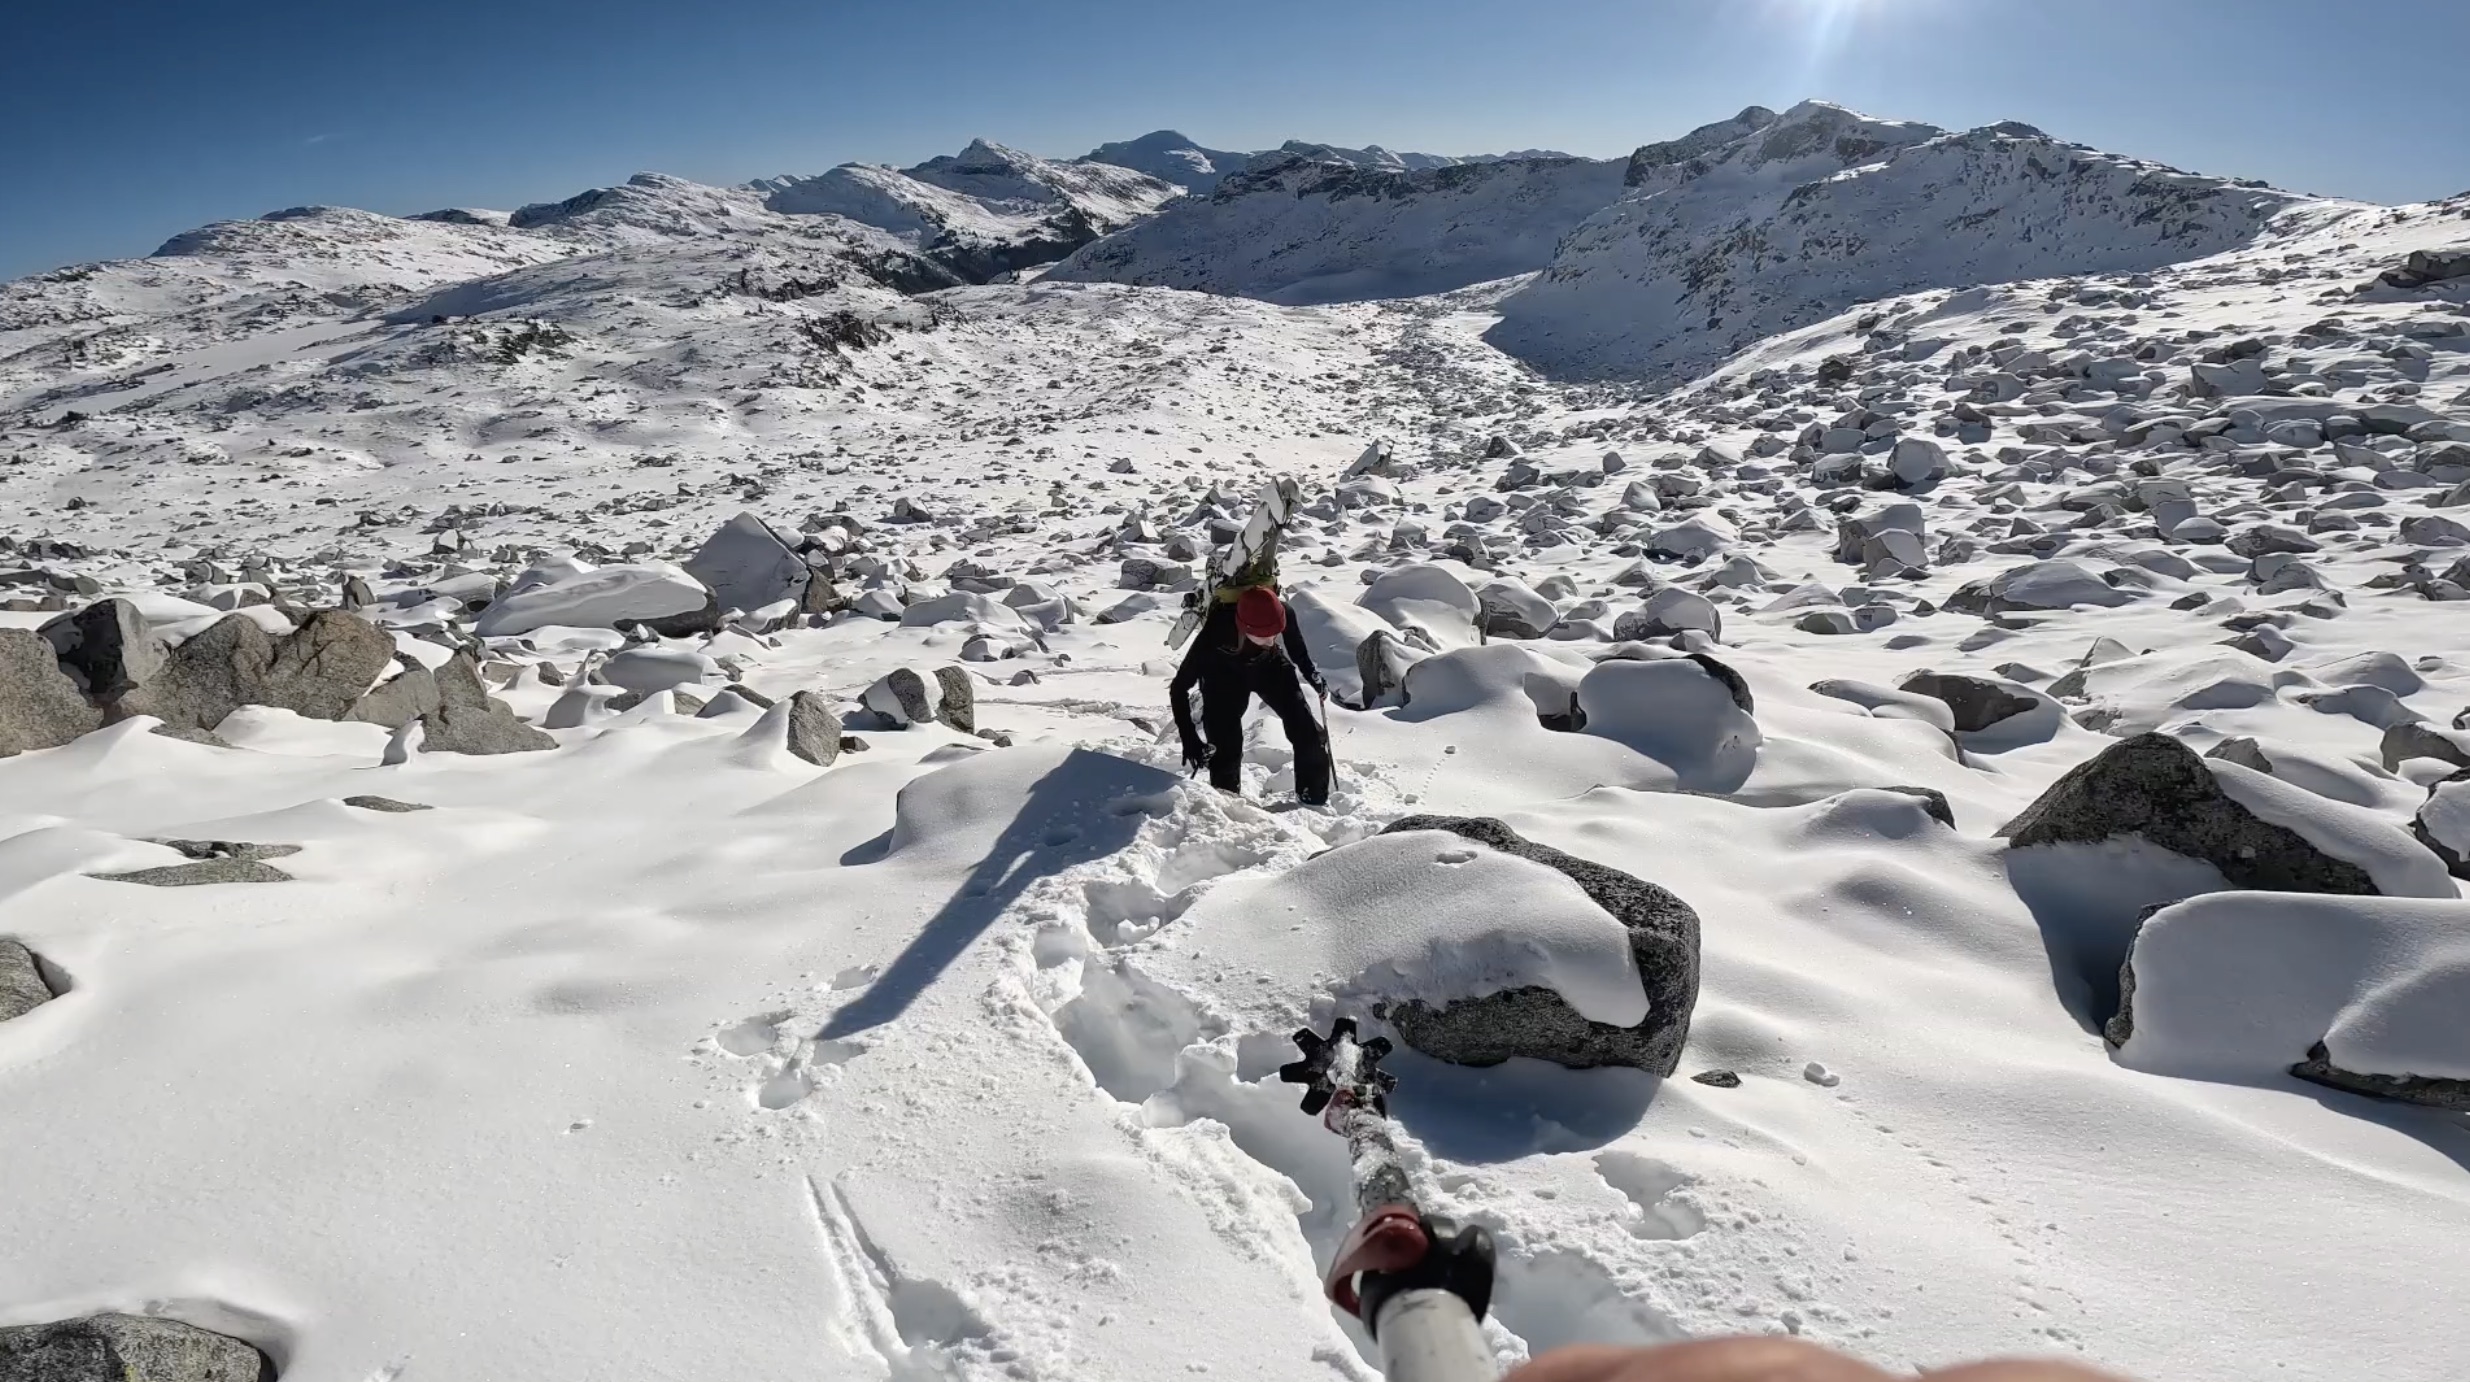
(1319, 683)
(1196, 755)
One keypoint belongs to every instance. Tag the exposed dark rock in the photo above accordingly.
(1381, 662)
(2413, 1089)
(1718, 1079)
(2243, 751)
(1734, 684)
(959, 704)
(386, 804)
(108, 647)
(2415, 739)
(320, 670)
(814, 729)
(1536, 1021)
(127, 1348)
(1933, 801)
(2154, 787)
(1977, 703)
(40, 706)
(23, 987)
(404, 697)
(468, 720)
(2440, 821)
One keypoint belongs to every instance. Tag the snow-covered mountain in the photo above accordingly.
(1300, 229)
(1723, 241)
(986, 211)
(1171, 156)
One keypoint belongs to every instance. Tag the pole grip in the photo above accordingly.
(1430, 1335)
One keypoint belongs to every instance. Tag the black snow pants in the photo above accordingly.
(1227, 683)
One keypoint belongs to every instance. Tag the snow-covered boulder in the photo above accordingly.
(1476, 945)
(905, 697)
(2040, 585)
(1512, 610)
(2364, 994)
(659, 596)
(749, 567)
(1670, 611)
(320, 671)
(2443, 823)
(1689, 713)
(1430, 598)
(648, 670)
(2258, 831)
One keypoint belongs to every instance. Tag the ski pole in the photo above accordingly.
(1419, 1284)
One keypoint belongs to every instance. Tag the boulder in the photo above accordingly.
(661, 597)
(108, 647)
(321, 670)
(1511, 610)
(2443, 823)
(40, 706)
(387, 805)
(127, 1348)
(650, 669)
(1976, 703)
(1670, 611)
(1381, 663)
(746, 566)
(2433, 530)
(905, 697)
(2155, 787)
(813, 727)
(468, 720)
(2361, 994)
(210, 862)
(23, 987)
(1426, 597)
(1535, 1021)
(2417, 739)
(2040, 585)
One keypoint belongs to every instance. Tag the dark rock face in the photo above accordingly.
(108, 647)
(1733, 682)
(2413, 1089)
(2155, 787)
(814, 731)
(1718, 1079)
(403, 698)
(2444, 801)
(1976, 702)
(127, 1348)
(2243, 751)
(22, 985)
(959, 704)
(320, 670)
(40, 706)
(2414, 739)
(212, 861)
(385, 804)
(1535, 1021)
(1381, 662)
(1933, 801)
(468, 720)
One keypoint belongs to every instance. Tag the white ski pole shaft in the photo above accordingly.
(1430, 1335)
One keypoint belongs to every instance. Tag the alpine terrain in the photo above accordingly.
(587, 791)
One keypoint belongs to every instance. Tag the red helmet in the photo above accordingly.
(1258, 614)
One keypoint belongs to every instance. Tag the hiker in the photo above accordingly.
(1249, 647)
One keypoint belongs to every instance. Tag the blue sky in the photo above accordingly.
(129, 121)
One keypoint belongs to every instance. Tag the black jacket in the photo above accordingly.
(1219, 648)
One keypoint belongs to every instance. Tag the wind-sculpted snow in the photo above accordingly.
(1715, 249)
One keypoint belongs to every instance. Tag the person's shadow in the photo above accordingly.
(1085, 806)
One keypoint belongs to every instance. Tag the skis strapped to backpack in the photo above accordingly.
(1252, 559)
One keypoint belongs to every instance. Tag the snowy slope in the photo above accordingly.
(1715, 248)
(1299, 229)
(955, 1058)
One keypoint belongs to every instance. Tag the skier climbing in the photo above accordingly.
(1248, 647)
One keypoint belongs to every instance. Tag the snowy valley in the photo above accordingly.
(586, 791)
